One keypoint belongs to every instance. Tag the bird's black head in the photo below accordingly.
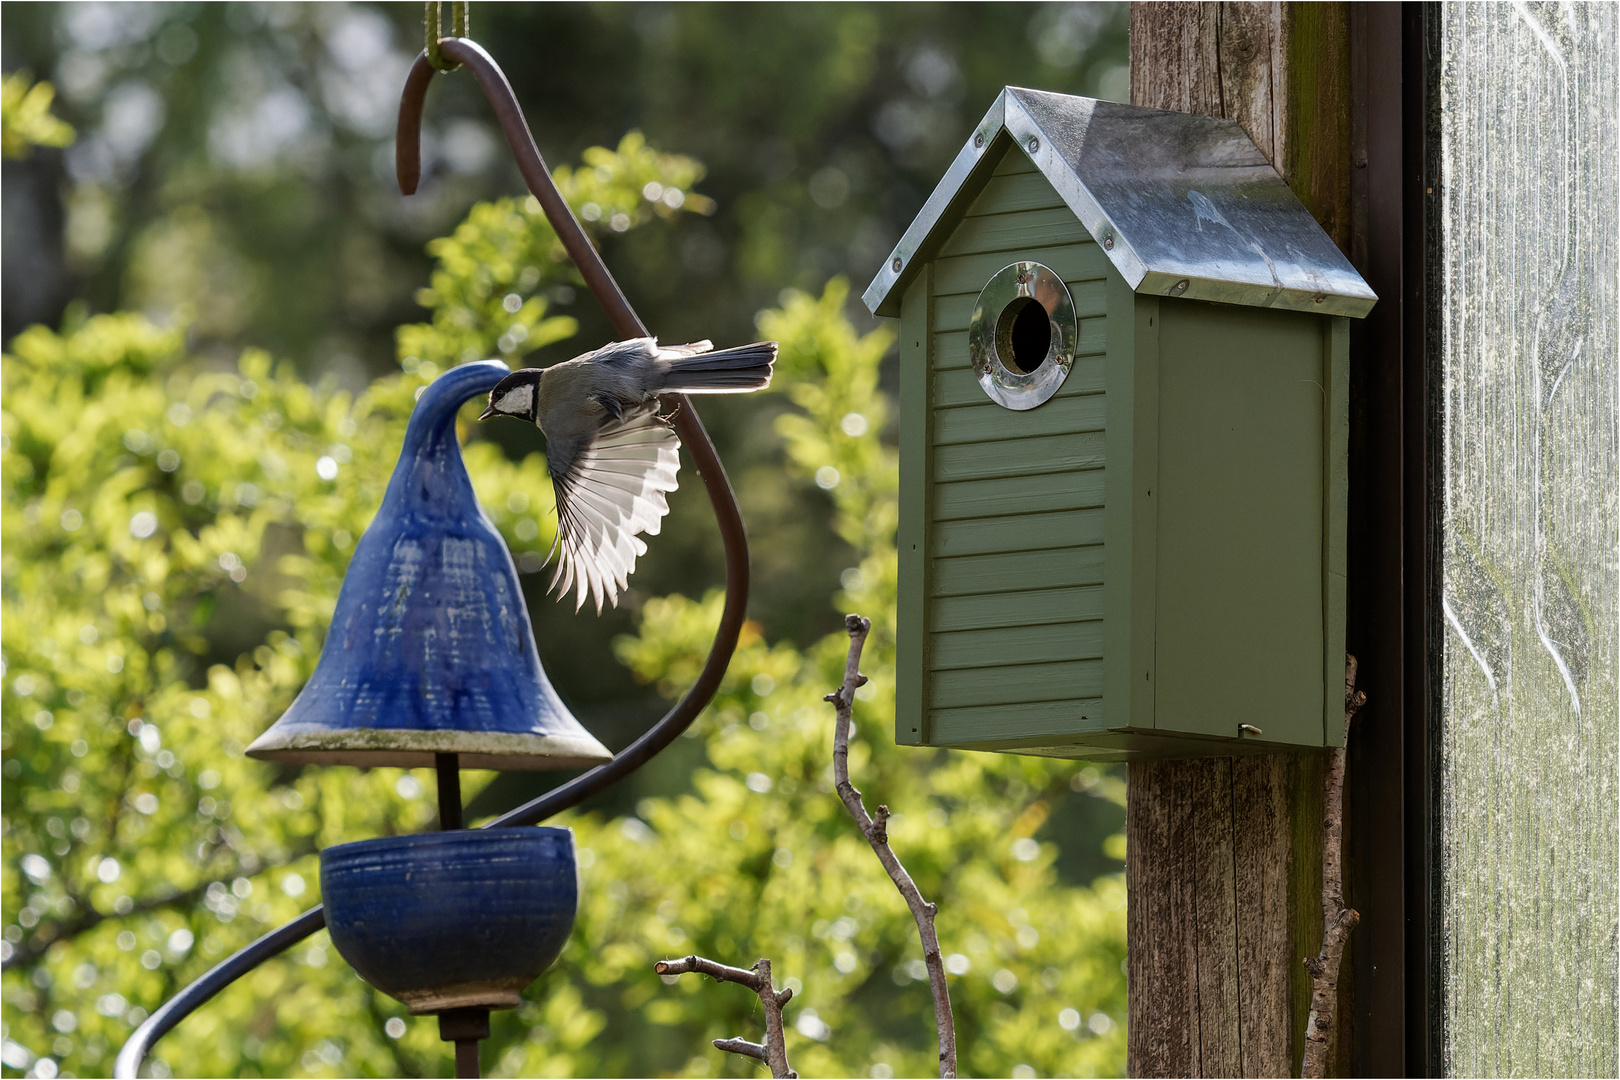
(516, 395)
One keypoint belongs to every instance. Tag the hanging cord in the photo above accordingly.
(433, 26)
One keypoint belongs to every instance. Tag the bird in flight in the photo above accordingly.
(612, 457)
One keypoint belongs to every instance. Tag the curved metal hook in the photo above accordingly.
(407, 150)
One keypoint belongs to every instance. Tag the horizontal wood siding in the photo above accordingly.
(994, 723)
(1015, 511)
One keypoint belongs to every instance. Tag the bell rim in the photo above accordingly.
(415, 748)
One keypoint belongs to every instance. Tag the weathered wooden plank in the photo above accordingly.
(1010, 193)
(1214, 956)
(1083, 260)
(1014, 232)
(1313, 129)
(1090, 296)
(977, 723)
(1019, 571)
(1020, 457)
(1018, 645)
(1010, 685)
(1033, 533)
(1214, 931)
(951, 349)
(988, 422)
(1180, 921)
(1261, 784)
(1175, 57)
(1014, 495)
(1041, 606)
(960, 385)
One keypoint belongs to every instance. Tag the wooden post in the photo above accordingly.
(1224, 855)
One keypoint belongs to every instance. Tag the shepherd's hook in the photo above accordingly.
(460, 51)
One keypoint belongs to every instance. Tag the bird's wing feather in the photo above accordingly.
(608, 493)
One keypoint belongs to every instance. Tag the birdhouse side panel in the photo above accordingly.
(1014, 514)
(1246, 484)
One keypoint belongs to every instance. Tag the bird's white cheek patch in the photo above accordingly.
(517, 402)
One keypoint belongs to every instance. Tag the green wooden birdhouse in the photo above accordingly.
(1124, 375)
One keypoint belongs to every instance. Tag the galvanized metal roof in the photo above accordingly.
(1184, 205)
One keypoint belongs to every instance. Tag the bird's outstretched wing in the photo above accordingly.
(607, 493)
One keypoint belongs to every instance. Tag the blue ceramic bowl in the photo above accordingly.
(449, 920)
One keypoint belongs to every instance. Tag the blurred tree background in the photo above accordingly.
(179, 508)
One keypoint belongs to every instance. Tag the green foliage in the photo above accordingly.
(485, 293)
(761, 859)
(25, 116)
(174, 538)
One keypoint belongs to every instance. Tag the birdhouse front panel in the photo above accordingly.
(1013, 542)
(1124, 377)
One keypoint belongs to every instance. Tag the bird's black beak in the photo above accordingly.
(487, 413)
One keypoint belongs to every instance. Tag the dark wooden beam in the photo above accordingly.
(1224, 855)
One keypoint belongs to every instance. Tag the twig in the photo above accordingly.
(773, 1051)
(1337, 919)
(876, 832)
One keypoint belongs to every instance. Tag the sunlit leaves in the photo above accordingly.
(25, 116)
(502, 268)
(175, 534)
(760, 858)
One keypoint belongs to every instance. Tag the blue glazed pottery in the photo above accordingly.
(430, 649)
(460, 919)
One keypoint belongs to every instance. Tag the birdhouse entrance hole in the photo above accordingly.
(1023, 335)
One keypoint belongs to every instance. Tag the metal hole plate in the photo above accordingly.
(1001, 381)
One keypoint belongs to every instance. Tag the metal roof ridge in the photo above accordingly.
(1163, 247)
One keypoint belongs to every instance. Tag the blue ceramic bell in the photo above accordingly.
(430, 649)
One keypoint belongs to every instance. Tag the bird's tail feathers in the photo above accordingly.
(728, 371)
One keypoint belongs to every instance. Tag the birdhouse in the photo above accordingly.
(1123, 411)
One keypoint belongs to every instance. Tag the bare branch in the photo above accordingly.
(741, 1046)
(877, 835)
(773, 1051)
(1337, 919)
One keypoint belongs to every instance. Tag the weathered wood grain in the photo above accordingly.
(1217, 987)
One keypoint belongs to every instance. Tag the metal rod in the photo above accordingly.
(467, 1058)
(448, 768)
(693, 434)
(212, 982)
(465, 1027)
(627, 324)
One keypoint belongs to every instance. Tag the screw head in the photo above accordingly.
(1108, 242)
(1034, 144)
(896, 264)
(978, 141)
